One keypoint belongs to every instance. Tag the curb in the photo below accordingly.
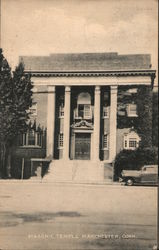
(60, 182)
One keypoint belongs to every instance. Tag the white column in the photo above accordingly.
(113, 122)
(66, 123)
(50, 121)
(96, 141)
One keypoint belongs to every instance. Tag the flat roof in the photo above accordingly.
(66, 62)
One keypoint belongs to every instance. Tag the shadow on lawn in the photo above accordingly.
(9, 219)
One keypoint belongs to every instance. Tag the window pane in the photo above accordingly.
(105, 112)
(61, 140)
(24, 139)
(80, 110)
(87, 111)
(31, 138)
(39, 139)
(132, 109)
(132, 143)
(61, 111)
(105, 141)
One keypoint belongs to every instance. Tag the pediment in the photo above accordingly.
(82, 124)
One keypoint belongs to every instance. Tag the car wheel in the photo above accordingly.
(129, 182)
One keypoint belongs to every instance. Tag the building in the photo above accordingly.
(76, 97)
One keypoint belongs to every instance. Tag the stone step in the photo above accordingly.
(77, 171)
(87, 172)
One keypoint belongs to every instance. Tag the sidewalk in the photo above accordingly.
(37, 181)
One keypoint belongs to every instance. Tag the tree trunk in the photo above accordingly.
(3, 159)
(8, 166)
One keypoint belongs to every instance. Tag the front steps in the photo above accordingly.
(76, 171)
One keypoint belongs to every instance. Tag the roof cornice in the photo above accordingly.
(151, 73)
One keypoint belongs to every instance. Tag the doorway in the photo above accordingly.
(82, 146)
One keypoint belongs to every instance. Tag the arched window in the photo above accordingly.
(84, 98)
(84, 106)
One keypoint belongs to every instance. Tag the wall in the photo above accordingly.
(120, 139)
(41, 99)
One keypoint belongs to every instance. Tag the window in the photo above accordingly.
(39, 139)
(132, 90)
(105, 141)
(150, 169)
(31, 138)
(87, 111)
(60, 142)
(132, 110)
(33, 109)
(61, 111)
(125, 144)
(83, 106)
(84, 111)
(131, 141)
(105, 112)
(81, 110)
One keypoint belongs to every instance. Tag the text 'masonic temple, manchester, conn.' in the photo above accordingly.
(76, 98)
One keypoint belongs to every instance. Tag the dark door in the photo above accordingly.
(82, 146)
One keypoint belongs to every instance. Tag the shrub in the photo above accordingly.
(134, 160)
(16, 167)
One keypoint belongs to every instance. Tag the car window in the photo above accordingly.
(151, 170)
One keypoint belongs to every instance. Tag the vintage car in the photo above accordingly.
(147, 175)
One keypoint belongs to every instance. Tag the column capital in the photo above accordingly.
(97, 89)
(114, 89)
(67, 88)
(51, 88)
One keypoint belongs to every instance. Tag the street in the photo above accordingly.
(47, 216)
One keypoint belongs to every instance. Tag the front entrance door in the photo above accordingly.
(82, 146)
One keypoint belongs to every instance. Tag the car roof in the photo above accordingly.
(151, 166)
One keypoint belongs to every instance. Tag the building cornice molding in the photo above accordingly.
(151, 73)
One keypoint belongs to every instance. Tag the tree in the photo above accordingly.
(134, 160)
(5, 102)
(15, 100)
(155, 120)
(142, 124)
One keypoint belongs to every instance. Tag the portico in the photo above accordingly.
(82, 133)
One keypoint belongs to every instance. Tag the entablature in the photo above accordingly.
(92, 80)
(92, 73)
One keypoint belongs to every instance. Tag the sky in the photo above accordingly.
(42, 27)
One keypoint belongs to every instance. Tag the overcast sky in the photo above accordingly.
(41, 27)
